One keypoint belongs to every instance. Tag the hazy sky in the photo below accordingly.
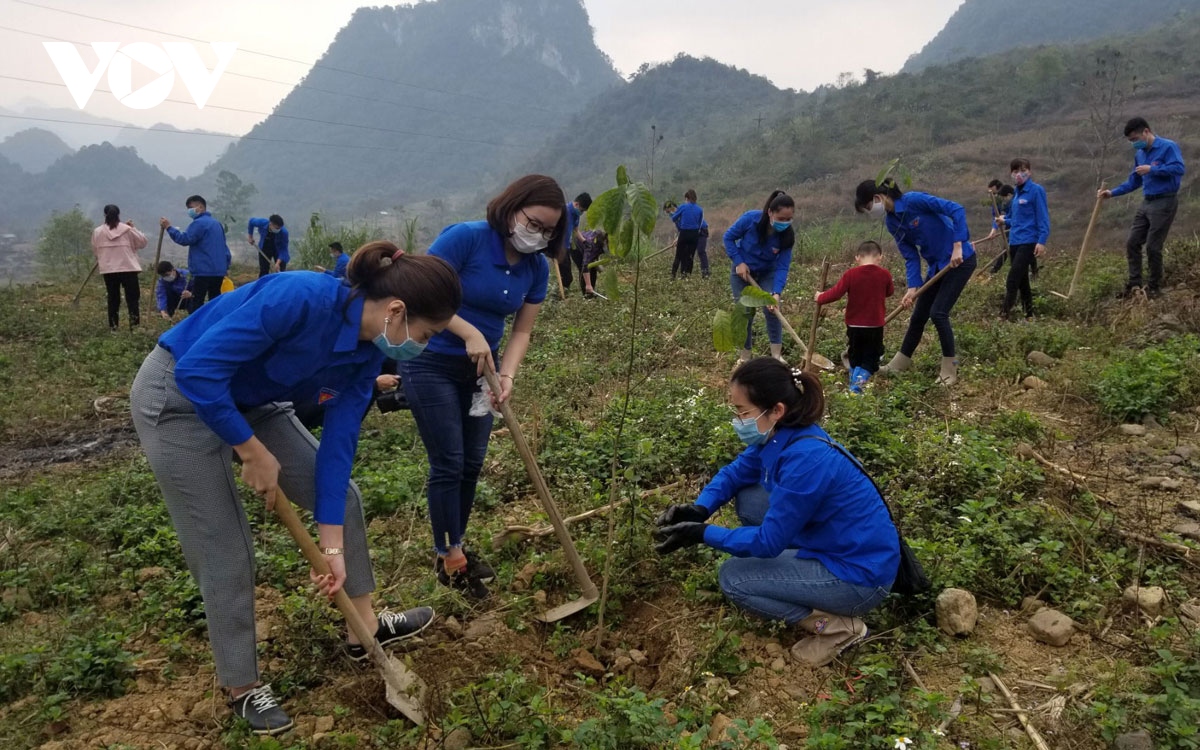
(794, 44)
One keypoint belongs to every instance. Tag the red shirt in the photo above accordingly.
(868, 287)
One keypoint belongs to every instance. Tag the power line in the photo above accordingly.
(289, 84)
(302, 119)
(312, 64)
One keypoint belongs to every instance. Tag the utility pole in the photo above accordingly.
(759, 120)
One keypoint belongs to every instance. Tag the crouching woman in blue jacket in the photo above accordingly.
(817, 547)
(218, 383)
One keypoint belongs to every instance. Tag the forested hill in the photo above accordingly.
(686, 107)
(411, 102)
(984, 27)
(34, 149)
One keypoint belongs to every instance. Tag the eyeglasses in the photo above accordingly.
(744, 414)
(534, 225)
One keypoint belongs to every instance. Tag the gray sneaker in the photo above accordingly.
(260, 709)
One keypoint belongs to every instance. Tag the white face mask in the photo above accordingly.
(527, 241)
(878, 210)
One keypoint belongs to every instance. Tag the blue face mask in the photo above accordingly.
(408, 350)
(747, 430)
(193, 213)
(781, 226)
(1140, 145)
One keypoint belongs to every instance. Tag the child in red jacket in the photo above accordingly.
(868, 284)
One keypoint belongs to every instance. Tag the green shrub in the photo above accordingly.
(1153, 381)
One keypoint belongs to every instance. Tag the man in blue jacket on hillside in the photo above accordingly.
(1028, 223)
(1157, 169)
(272, 243)
(208, 253)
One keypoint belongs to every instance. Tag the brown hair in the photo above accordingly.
(870, 247)
(1019, 164)
(427, 285)
(768, 382)
(530, 190)
(112, 216)
(690, 195)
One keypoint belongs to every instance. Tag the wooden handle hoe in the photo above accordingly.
(91, 273)
(406, 691)
(562, 291)
(1087, 241)
(590, 593)
(812, 336)
(923, 288)
(817, 359)
(158, 250)
(657, 253)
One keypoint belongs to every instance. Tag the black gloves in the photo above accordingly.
(679, 535)
(681, 514)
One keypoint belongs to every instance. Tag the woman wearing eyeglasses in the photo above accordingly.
(503, 269)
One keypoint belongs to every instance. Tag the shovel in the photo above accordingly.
(406, 691)
(817, 359)
(75, 302)
(812, 337)
(1087, 240)
(590, 594)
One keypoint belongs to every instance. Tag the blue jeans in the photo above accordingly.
(765, 279)
(439, 388)
(936, 305)
(787, 587)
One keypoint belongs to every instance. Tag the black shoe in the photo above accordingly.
(394, 627)
(478, 568)
(1129, 291)
(464, 581)
(261, 711)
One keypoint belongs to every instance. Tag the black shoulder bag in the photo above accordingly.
(910, 576)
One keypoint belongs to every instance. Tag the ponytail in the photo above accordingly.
(777, 201)
(428, 285)
(112, 216)
(768, 382)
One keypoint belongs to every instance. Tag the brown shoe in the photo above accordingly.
(831, 635)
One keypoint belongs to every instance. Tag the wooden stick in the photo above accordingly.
(562, 291)
(1022, 716)
(523, 533)
(75, 302)
(924, 288)
(657, 253)
(1182, 549)
(822, 362)
(908, 667)
(812, 336)
(158, 250)
(1087, 241)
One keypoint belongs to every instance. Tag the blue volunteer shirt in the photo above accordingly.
(339, 267)
(742, 245)
(492, 288)
(1166, 170)
(281, 237)
(177, 287)
(688, 216)
(925, 226)
(822, 506)
(574, 216)
(1028, 217)
(208, 253)
(286, 337)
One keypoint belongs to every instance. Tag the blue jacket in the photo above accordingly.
(742, 245)
(339, 268)
(281, 237)
(1166, 170)
(688, 216)
(492, 289)
(574, 215)
(286, 337)
(1028, 217)
(181, 284)
(208, 253)
(925, 226)
(822, 506)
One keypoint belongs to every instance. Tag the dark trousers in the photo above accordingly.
(702, 253)
(935, 304)
(573, 258)
(1150, 226)
(264, 264)
(173, 300)
(205, 287)
(113, 284)
(1018, 279)
(865, 347)
(685, 251)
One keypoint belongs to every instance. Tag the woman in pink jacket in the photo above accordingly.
(116, 245)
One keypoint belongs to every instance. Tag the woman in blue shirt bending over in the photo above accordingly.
(503, 268)
(688, 219)
(817, 547)
(760, 246)
(935, 230)
(219, 383)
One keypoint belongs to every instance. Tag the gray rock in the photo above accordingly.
(1150, 422)
(1148, 599)
(1133, 430)
(1139, 740)
(1031, 604)
(1052, 627)
(1186, 452)
(482, 627)
(1152, 483)
(1171, 485)
(1190, 610)
(1188, 530)
(1040, 359)
(1172, 460)
(459, 739)
(956, 611)
(1034, 383)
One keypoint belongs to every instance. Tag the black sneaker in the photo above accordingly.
(261, 711)
(478, 568)
(394, 627)
(464, 582)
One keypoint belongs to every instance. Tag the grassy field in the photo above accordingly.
(102, 640)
